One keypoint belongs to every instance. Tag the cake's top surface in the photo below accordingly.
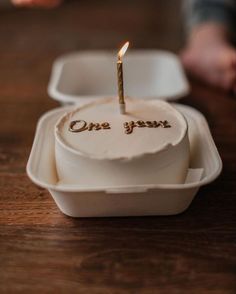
(147, 127)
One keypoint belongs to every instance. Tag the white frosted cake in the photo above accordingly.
(97, 146)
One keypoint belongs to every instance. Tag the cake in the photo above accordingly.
(96, 146)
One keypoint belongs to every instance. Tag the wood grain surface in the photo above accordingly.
(42, 250)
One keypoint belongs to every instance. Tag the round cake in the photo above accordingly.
(97, 146)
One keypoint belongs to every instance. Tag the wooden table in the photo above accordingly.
(42, 250)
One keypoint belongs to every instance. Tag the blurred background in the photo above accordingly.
(31, 39)
(95, 24)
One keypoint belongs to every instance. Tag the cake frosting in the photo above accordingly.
(113, 141)
(131, 148)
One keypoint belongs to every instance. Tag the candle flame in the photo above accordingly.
(122, 51)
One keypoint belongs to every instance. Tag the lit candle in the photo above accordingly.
(121, 53)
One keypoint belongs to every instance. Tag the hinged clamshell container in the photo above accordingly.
(85, 76)
(76, 79)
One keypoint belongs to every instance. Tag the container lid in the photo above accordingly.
(87, 75)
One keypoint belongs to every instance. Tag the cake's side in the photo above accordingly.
(114, 155)
(165, 167)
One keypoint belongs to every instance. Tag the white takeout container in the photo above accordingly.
(156, 74)
(88, 75)
(85, 201)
